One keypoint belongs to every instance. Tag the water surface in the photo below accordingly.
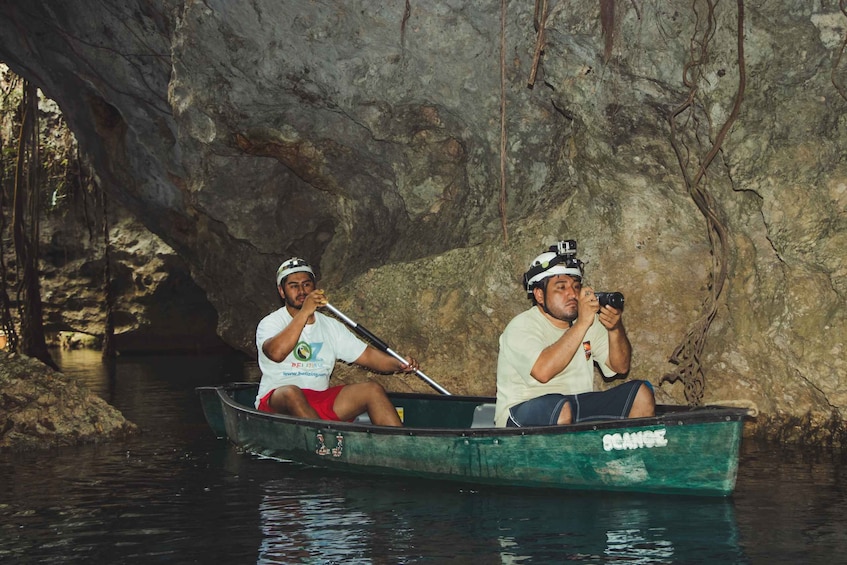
(175, 494)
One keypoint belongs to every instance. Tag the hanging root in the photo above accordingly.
(502, 204)
(688, 354)
(842, 4)
(607, 22)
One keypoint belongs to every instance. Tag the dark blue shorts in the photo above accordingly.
(612, 404)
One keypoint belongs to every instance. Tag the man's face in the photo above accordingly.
(560, 300)
(295, 288)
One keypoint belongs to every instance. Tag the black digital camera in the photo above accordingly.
(613, 299)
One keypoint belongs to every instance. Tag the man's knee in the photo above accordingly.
(565, 415)
(644, 404)
(290, 392)
(377, 388)
(369, 389)
(286, 397)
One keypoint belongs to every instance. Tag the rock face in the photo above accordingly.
(366, 137)
(156, 305)
(40, 408)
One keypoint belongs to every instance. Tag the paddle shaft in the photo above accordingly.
(382, 346)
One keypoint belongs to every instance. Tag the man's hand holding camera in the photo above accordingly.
(589, 303)
(611, 318)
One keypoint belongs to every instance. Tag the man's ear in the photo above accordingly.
(538, 294)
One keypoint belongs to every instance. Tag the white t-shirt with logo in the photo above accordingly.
(311, 362)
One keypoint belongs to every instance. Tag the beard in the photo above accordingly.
(563, 313)
(295, 303)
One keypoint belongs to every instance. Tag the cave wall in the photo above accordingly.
(366, 137)
(156, 306)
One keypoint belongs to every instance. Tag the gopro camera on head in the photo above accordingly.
(566, 247)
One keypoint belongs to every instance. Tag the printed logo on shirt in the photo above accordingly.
(303, 351)
(306, 351)
(586, 345)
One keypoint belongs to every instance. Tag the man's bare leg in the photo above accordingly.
(367, 397)
(290, 400)
(565, 416)
(644, 405)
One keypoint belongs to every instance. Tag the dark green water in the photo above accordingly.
(177, 495)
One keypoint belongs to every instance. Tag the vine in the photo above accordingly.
(108, 350)
(540, 22)
(687, 355)
(502, 203)
(7, 324)
(842, 5)
(607, 24)
(26, 203)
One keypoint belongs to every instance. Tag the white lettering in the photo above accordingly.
(649, 440)
(635, 440)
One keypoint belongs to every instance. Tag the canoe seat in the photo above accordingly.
(483, 416)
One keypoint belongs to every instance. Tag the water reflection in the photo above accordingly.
(88, 366)
(312, 516)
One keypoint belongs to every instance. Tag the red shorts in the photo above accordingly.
(321, 400)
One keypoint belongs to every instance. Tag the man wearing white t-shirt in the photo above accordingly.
(298, 348)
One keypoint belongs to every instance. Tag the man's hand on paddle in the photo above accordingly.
(316, 299)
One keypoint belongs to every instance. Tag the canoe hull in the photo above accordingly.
(689, 452)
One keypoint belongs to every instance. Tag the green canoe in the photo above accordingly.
(681, 450)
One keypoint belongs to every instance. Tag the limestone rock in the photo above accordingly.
(157, 306)
(41, 408)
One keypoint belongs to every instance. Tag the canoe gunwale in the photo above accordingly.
(670, 415)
